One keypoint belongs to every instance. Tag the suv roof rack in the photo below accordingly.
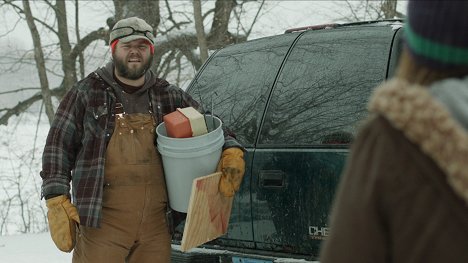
(316, 27)
(335, 25)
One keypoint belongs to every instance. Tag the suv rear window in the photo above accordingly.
(322, 92)
(238, 80)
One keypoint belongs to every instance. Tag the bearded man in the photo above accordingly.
(102, 142)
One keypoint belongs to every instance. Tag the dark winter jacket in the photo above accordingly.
(404, 192)
(84, 122)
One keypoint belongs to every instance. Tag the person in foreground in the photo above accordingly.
(102, 142)
(404, 192)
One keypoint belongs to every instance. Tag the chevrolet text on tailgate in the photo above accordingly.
(295, 101)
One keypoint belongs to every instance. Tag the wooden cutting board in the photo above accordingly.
(208, 212)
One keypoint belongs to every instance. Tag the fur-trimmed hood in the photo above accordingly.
(435, 119)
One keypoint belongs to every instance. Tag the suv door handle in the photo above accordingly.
(272, 179)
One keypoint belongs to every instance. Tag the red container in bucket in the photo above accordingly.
(177, 125)
(185, 123)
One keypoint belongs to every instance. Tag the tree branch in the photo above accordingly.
(208, 13)
(247, 34)
(171, 18)
(176, 26)
(47, 26)
(21, 11)
(13, 29)
(101, 33)
(24, 105)
(356, 17)
(51, 5)
(18, 90)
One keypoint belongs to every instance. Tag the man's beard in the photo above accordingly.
(133, 73)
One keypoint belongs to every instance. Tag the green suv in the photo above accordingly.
(295, 101)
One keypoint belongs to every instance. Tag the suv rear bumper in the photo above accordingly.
(225, 255)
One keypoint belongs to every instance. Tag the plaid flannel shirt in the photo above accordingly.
(76, 145)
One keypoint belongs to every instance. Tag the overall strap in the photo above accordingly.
(150, 107)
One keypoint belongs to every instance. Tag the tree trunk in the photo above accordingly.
(389, 9)
(151, 13)
(219, 34)
(40, 63)
(77, 32)
(68, 65)
(147, 10)
(197, 13)
(119, 10)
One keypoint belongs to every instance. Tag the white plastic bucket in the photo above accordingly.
(185, 159)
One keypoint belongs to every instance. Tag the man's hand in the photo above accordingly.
(232, 166)
(63, 217)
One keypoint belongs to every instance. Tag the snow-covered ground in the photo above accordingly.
(39, 248)
(27, 248)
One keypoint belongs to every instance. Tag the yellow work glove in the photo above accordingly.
(232, 166)
(63, 217)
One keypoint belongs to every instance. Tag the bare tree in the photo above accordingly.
(69, 55)
(5, 211)
(20, 207)
(40, 63)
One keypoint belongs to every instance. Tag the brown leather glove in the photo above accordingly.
(232, 166)
(63, 217)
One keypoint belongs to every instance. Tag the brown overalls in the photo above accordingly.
(133, 227)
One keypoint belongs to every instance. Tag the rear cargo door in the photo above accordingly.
(235, 84)
(313, 114)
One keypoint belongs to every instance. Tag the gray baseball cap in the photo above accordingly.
(130, 29)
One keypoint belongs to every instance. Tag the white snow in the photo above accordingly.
(39, 248)
(27, 248)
